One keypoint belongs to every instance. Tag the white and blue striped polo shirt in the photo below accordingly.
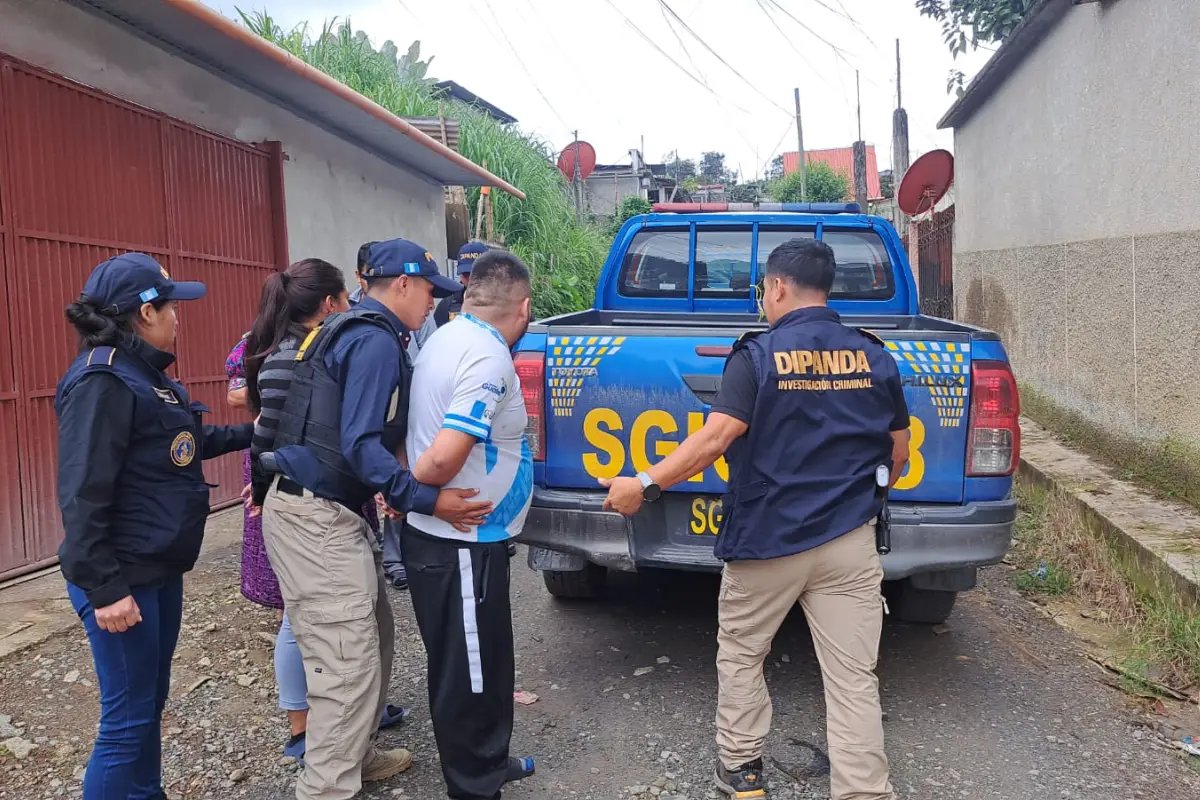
(464, 379)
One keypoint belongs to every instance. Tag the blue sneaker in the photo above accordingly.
(393, 715)
(295, 748)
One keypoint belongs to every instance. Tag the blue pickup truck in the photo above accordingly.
(615, 388)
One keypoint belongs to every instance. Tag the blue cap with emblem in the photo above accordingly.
(467, 255)
(123, 283)
(396, 257)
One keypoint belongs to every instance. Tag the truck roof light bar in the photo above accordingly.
(793, 208)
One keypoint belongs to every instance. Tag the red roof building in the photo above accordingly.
(841, 159)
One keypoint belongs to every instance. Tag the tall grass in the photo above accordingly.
(564, 257)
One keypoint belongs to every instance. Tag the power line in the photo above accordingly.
(513, 50)
(717, 55)
(667, 56)
(775, 149)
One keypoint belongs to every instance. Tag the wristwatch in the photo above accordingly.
(651, 491)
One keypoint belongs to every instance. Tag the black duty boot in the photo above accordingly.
(745, 781)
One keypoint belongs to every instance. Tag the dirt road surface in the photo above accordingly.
(1001, 704)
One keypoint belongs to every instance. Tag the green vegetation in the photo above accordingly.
(564, 257)
(629, 207)
(1169, 467)
(825, 185)
(1060, 551)
(987, 21)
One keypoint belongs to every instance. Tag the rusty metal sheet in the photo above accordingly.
(84, 176)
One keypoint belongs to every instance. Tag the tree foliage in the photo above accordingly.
(967, 23)
(679, 169)
(712, 168)
(825, 185)
(628, 207)
(775, 170)
(564, 257)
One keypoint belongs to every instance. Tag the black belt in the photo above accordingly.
(289, 486)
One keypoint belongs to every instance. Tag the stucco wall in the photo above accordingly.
(605, 192)
(1076, 235)
(337, 195)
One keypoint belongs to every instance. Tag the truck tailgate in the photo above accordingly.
(617, 404)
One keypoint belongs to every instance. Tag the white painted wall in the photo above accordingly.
(337, 195)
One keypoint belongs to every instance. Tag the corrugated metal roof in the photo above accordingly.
(840, 159)
(202, 36)
(432, 127)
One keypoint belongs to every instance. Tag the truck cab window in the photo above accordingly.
(656, 264)
(722, 264)
(864, 270)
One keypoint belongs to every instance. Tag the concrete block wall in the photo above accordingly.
(1076, 236)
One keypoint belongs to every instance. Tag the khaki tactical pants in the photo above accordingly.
(331, 577)
(838, 586)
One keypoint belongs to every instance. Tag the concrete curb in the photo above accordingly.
(1162, 536)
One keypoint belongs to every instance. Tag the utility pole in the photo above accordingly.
(860, 156)
(800, 152)
(575, 183)
(899, 153)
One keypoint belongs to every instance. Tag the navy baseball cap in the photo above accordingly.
(123, 283)
(467, 255)
(397, 257)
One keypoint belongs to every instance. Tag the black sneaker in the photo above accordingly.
(399, 579)
(518, 769)
(745, 781)
(512, 549)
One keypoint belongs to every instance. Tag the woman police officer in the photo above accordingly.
(134, 503)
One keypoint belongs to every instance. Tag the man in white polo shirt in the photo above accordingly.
(466, 428)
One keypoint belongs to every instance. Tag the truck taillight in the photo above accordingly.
(531, 370)
(994, 434)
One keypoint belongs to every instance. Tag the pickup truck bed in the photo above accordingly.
(615, 390)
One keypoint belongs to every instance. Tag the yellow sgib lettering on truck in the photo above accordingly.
(706, 516)
(601, 427)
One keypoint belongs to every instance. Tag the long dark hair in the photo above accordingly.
(289, 298)
(99, 327)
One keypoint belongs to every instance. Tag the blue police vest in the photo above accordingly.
(160, 503)
(804, 473)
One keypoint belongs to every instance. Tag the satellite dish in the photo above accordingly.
(587, 160)
(926, 182)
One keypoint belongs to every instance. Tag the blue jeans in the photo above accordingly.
(289, 670)
(134, 672)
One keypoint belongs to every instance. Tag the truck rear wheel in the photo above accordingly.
(584, 584)
(923, 606)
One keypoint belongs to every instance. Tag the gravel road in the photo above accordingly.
(999, 705)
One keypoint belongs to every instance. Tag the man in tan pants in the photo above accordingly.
(803, 450)
(345, 415)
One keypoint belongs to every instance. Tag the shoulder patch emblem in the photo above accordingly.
(872, 336)
(167, 396)
(183, 449)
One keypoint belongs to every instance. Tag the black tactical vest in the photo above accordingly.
(312, 413)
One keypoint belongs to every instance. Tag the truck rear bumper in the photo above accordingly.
(925, 538)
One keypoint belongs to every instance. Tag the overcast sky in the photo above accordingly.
(560, 65)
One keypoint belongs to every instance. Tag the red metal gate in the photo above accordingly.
(935, 266)
(84, 176)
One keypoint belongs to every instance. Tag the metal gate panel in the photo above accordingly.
(85, 176)
(86, 167)
(222, 236)
(48, 277)
(12, 540)
(935, 246)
